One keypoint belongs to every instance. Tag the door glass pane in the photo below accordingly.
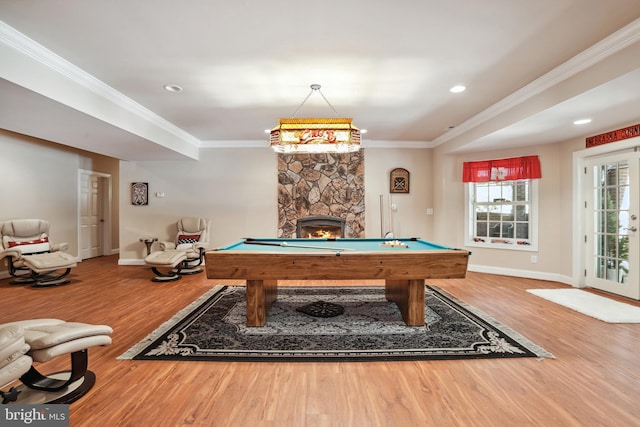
(599, 221)
(611, 220)
(600, 270)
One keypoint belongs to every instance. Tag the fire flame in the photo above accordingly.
(321, 234)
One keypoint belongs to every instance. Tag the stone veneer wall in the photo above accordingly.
(321, 184)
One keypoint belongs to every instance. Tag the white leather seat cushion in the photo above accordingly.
(51, 335)
(79, 344)
(32, 323)
(13, 361)
(12, 344)
(49, 261)
(14, 370)
(168, 258)
(49, 338)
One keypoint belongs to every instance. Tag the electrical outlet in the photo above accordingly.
(534, 259)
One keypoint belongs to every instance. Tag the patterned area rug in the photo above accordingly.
(371, 328)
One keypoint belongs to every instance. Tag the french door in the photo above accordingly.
(611, 220)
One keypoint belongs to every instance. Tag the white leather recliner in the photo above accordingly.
(40, 340)
(185, 254)
(32, 257)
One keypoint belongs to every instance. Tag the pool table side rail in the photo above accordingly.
(395, 265)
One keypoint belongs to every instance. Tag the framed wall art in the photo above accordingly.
(139, 193)
(399, 181)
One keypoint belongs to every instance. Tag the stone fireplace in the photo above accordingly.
(321, 185)
(320, 226)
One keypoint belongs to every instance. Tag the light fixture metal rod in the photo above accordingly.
(315, 87)
(328, 103)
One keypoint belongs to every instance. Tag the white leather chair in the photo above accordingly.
(32, 257)
(40, 340)
(185, 254)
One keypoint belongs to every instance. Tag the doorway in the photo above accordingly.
(94, 207)
(612, 254)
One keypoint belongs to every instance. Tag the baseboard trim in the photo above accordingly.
(527, 274)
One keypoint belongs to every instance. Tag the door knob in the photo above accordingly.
(632, 229)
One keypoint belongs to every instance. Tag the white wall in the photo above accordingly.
(40, 180)
(410, 219)
(235, 188)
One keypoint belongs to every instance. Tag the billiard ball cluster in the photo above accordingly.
(394, 244)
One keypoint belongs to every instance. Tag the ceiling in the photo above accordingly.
(90, 74)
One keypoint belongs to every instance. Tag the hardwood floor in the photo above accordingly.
(594, 380)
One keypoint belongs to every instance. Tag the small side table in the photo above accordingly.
(148, 241)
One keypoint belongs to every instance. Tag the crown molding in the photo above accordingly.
(621, 39)
(373, 143)
(255, 143)
(28, 47)
(366, 143)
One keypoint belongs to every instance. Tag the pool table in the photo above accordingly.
(404, 264)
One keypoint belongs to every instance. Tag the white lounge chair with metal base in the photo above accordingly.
(185, 254)
(49, 338)
(32, 257)
(166, 265)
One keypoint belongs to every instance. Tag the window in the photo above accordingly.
(502, 198)
(501, 214)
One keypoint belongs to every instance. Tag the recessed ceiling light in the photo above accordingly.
(458, 89)
(172, 88)
(267, 131)
(582, 122)
(363, 131)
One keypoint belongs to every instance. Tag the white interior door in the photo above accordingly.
(612, 193)
(91, 215)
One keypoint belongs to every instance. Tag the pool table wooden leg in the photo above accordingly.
(260, 295)
(409, 297)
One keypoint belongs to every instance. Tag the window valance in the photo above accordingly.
(527, 167)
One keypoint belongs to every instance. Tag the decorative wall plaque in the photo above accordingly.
(399, 181)
(139, 193)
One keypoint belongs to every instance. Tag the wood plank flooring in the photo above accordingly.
(595, 380)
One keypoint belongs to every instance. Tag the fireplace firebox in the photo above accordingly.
(320, 226)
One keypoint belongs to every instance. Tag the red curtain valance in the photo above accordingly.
(502, 169)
